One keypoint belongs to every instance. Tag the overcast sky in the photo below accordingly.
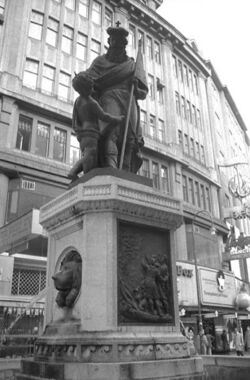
(221, 28)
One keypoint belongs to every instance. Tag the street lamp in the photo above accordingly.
(198, 288)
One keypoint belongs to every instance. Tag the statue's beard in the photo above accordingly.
(116, 54)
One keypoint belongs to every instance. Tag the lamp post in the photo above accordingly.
(198, 287)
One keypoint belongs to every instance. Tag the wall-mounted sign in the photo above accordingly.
(236, 249)
(183, 271)
(186, 284)
(237, 212)
(218, 288)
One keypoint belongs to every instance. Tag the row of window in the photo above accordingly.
(158, 173)
(67, 38)
(191, 147)
(148, 46)
(152, 129)
(187, 110)
(196, 193)
(46, 140)
(185, 75)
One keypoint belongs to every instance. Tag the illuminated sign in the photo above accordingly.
(218, 288)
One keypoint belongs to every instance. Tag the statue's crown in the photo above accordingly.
(117, 30)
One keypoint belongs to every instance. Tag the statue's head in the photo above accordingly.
(68, 280)
(83, 83)
(117, 37)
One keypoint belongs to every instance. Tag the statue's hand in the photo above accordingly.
(120, 119)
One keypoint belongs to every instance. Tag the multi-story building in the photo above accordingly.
(189, 121)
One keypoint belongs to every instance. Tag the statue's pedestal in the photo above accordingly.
(124, 323)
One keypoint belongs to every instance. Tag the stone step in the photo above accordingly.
(23, 376)
(42, 369)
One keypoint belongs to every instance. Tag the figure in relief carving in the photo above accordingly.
(86, 113)
(68, 280)
(149, 300)
(119, 81)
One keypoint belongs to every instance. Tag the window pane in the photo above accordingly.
(156, 181)
(64, 86)
(145, 168)
(152, 127)
(95, 49)
(161, 129)
(67, 39)
(157, 52)
(70, 4)
(75, 152)
(2, 5)
(97, 13)
(36, 25)
(30, 74)
(84, 8)
(81, 47)
(59, 148)
(42, 139)
(143, 121)
(24, 133)
(52, 32)
(48, 77)
(149, 48)
(164, 179)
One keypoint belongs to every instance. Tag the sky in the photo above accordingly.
(221, 29)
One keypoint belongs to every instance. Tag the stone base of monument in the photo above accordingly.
(124, 323)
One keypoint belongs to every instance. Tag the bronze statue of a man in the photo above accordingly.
(113, 74)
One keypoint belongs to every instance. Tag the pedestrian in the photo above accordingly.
(239, 342)
(209, 342)
(247, 339)
(225, 344)
(203, 342)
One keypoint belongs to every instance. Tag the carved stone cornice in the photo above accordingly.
(110, 351)
(116, 195)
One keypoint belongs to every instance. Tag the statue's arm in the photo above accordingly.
(104, 116)
(76, 125)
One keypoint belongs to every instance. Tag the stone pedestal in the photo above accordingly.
(124, 323)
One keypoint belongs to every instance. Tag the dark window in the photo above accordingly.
(24, 132)
(145, 168)
(184, 188)
(156, 179)
(42, 139)
(59, 148)
(165, 179)
(157, 53)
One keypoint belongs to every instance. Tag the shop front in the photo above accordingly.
(216, 295)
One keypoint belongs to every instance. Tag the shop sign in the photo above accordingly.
(186, 284)
(186, 272)
(218, 288)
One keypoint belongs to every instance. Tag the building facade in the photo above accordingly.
(186, 119)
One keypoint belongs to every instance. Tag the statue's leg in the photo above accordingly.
(128, 152)
(90, 160)
(75, 170)
(111, 151)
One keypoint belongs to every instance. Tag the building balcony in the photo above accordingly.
(24, 235)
